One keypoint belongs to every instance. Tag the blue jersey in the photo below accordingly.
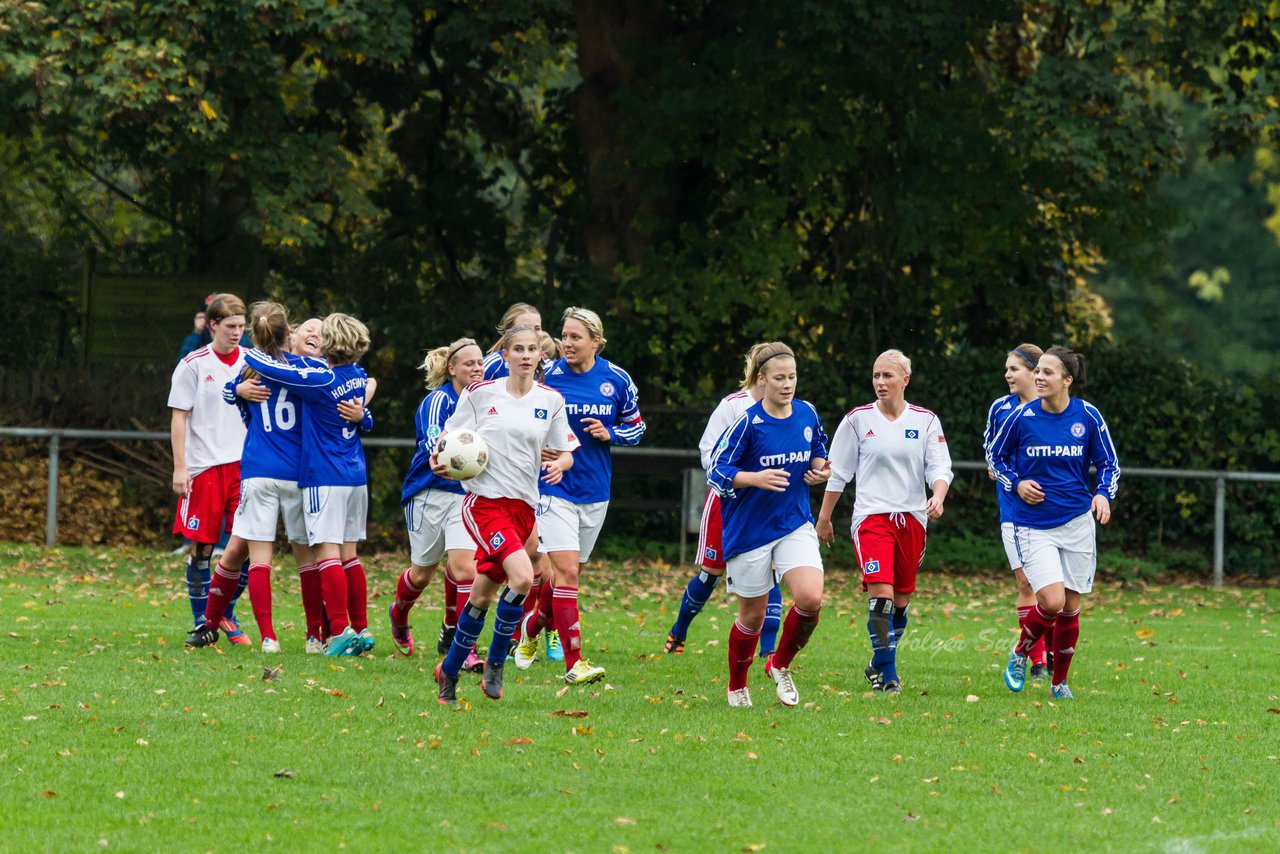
(996, 416)
(273, 440)
(331, 451)
(1055, 450)
(757, 441)
(434, 410)
(607, 394)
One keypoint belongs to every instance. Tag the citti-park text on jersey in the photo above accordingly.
(589, 408)
(348, 386)
(1055, 451)
(786, 459)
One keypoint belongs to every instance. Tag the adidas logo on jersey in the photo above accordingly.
(871, 434)
(1028, 413)
(208, 378)
(757, 420)
(493, 410)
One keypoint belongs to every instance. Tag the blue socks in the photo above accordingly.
(899, 624)
(883, 646)
(505, 619)
(470, 624)
(696, 594)
(197, 587)
(772, 622)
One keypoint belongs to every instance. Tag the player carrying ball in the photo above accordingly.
(762, 469)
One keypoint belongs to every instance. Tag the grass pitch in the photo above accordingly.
(118, 738)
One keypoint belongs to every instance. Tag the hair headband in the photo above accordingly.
(1018, 352)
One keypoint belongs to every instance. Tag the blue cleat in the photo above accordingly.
(343, 644)
(1015, 674)
(366, 641)
(554, 651)
(1061, 692)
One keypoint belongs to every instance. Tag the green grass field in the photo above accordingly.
(118, 738)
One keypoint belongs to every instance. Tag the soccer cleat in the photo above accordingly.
(1039, 673)
(554, 651)
(491, 681)
(1061, 692)
(1015, 674)
(401, 637)
(270, 645)
(781, 676)
(204, 635)
(739, 698)
(366, 641)
(231, 628)
(527, 649)
(315, 646)
(892, 686)
(875, 677)
(474, 663)
(583, 672)
(444, 640)
(342, 644)
(448, 686)
(674, 645)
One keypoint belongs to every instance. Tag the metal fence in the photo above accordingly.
(693, 484)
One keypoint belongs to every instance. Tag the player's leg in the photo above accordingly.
(324, 508)
(1042, 564)
(797, 562)
(568, 565)
(426, 545)
(710, 569)
(353, 533)
(260, 593)
(875, 544)
(909, 538)
(312, 597)
(1079, 564)
(1026, 598)
(749, 576)
(461, 563)
(772, 622)
(228, 484)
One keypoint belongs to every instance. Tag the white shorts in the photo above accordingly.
(1067, 554)
(335, 514)
(754, 573)
(567, 527)
(263, 500)
(1010, 547)
(433, 518)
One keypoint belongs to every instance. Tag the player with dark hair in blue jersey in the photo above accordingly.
(603, 408)
(762, 468)
(433, 504)
(1042, 455)
(332, 473)
(1019, 374)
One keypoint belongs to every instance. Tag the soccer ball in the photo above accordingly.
(463, 453)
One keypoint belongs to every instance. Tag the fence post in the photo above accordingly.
(51, 499)
(693, 494)
(1219, 528)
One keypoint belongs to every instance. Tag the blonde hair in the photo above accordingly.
(550, 346)
(898, 358)
(758, 355)
(589, 319)
(505, 341)
(437, 362)
(269, 326)
(1028, 353)
(509, 320)
(222, 306)
(343, 339)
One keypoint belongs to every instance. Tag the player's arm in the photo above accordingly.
(630, 426)
(1102, 454)
(819, 465)
(937, 467)
(178, 442)
(721, 419)
(554, 469)
(843, 458)
(1002, 454)
(308, 373)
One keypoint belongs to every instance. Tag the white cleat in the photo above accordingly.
(270, 645)
(315, 646)
(583, 672)
(787, 693)
(740, 699)
(527, 648)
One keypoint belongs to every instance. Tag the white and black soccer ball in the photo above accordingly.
(463, 454)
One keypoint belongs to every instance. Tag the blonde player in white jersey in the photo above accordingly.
(518, 418)
(893, 449)
(207, 438)
(710, 559)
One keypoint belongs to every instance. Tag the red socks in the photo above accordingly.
(1037, 649)
(357, 594)
(797, 628)
(742, 651)
(333, 586)
(1034, 627)
(406, 595)
(564, 601)
(462, 596)
(312, 599)
(451, 606)
(222, 588)
(1065, 635)
(260, 598)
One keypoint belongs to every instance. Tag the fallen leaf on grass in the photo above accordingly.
(622, 819)
(583, 729)
(911, 817)
(519, 740)
(48, 793)
(751, 755)
(972, 698)
(1144, 633)
(753, 847)
(1274, 711)
(284, 772)
(568, 713)
(269, 673)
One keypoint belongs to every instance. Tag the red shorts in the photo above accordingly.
(710, 537)
(215, 495)
(499, 527)
(890, 548)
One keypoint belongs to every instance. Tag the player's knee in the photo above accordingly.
(1050, 601)
(809, 601)
(203, 552)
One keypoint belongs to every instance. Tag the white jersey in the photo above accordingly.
(215, 433)
(893, 461)
(516, 429)
(728, 411)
